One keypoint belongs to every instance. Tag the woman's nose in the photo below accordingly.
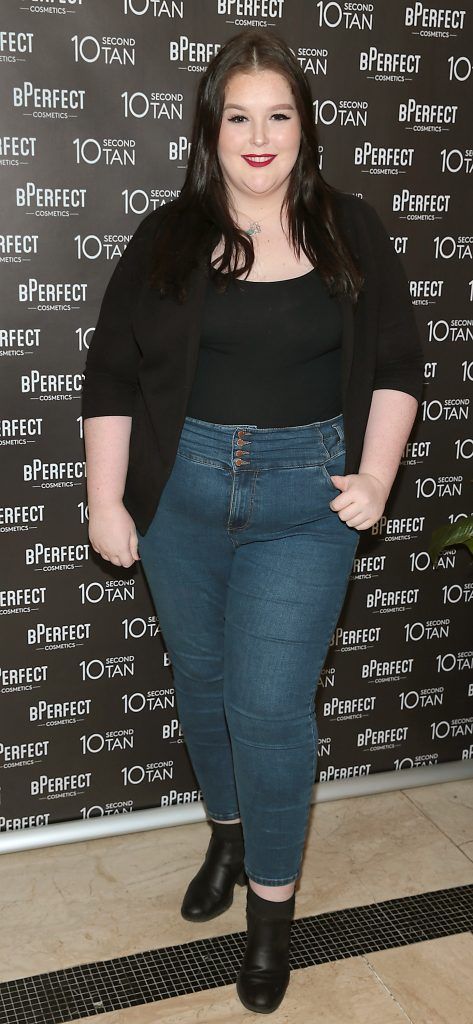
(259, 134)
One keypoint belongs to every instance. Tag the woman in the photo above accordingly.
(251, 384)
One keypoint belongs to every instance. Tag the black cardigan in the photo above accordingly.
(143, 355)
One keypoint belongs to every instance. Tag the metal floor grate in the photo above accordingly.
(156, 974)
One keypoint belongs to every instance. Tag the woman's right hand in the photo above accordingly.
(112, 534)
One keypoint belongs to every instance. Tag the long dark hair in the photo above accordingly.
(191, 226)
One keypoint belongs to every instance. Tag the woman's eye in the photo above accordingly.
(236, 117)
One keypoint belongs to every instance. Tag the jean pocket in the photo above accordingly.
(335, 466)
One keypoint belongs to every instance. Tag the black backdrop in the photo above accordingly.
(97, 102)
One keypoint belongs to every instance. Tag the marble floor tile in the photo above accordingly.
(432, 981)
(450, 807)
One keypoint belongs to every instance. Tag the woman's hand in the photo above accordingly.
(362, 500)
(112, 534)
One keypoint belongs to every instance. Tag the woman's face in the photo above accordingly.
(259, 119)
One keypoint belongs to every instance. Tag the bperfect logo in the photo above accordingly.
(57, 557)
(449, 409)
(20, 517)
(27, 821)
(398, 529)
(449, 248)
(23, 753)
(58, 637)
(389, 67)
(367, 566)
(457, 161)
(355, 639)
(346, 772)
(434, 21)
(390, 670)
(58, 711)
(350, 707)
(54, 6)
(24, 678)
(382, 738)
(313, 60)
(423, 293)
(54, 474)
(167, 106)
(432, 629)
(51, 386)
(107, 49)
(412, 699)
(457, 594)
(391, 600)
(442, 487)
(251, 13)
(420, 206)
(138, 201)
(118, 739)
(121, 666)
(188, 796)
(107, 151)
(16, 150)
(91, 247)
(15, 46)
(179, 150)
(172, 731)
(15, 340)
(21, 431)
(57, 296)
(152, 700)
(341, 112)
(59, 785)
(383, 159)
(192, 56)
(50, 201)
(158, 771)
(157, 8)
(18, 248)
(415, 451)
(427, 117)
(53, 102)
(112, 590)
(23, 598)
(348, 15)
(457, 727)
(462, 661)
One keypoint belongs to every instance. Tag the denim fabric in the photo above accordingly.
(248, 568)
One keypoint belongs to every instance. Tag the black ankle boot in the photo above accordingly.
(264, 974)
(210, 892)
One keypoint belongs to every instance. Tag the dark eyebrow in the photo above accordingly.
(277, 106)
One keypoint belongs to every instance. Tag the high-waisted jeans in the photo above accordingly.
(248, 568)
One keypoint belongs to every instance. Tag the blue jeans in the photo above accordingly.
(248, 568)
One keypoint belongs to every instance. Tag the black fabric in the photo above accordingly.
(269, 354)
(142, 358)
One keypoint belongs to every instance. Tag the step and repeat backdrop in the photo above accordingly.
(97, 105)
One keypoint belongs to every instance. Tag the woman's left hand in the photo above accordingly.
(362, 500)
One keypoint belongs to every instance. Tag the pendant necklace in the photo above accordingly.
(253, 228)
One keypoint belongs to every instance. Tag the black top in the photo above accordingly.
(143, 355)
(269, 354)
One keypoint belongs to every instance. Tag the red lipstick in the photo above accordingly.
(258, 159)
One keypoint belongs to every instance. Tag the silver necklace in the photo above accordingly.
(253, 229)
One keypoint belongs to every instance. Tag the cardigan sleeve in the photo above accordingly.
(399, 353)
(111, 367)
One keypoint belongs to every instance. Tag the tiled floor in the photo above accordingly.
(384, 912)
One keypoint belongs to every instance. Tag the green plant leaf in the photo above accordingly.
(460, 532)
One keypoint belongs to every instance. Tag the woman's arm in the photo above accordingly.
(364, 494)
(112, 531)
